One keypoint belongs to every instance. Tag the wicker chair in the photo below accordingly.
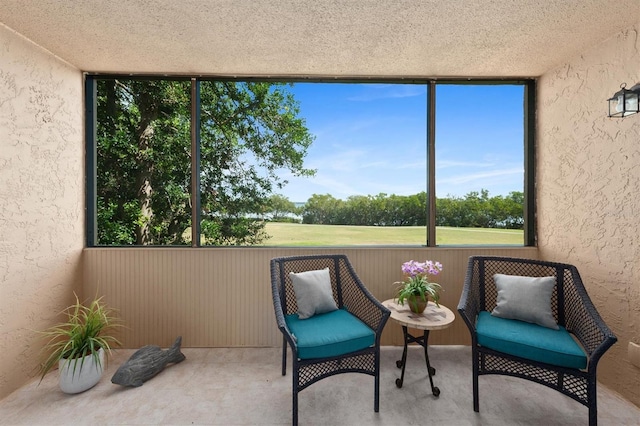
(351, 296)
(572, 309)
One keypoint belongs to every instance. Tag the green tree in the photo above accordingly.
(280, 207)
(405, 210)
(249, 132)
(509, 210)
(477, 209)
(322, 210)
(360, 210)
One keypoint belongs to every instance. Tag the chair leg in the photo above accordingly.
(476, 399)
(376, 391)
(591, 401)
(284, 356)
(294, 410)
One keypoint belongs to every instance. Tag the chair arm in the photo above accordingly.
(282, 324)
(361, 303)
(592, 332)
(469, 305)
(584, 321)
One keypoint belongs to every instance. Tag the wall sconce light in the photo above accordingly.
(625, 102)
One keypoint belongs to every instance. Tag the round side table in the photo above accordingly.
(433, 318)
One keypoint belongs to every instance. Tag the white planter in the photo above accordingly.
(78, 375)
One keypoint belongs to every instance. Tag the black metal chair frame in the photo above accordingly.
(572, 308)
(348, 291)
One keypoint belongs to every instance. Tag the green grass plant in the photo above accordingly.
(86, 331)
(299, 235)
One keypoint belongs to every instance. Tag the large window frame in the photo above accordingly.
(529, 117)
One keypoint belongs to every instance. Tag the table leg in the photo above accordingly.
(432, 371)
(403, 362)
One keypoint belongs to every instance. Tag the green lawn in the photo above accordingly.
(296, 234)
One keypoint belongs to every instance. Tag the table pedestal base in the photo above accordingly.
(424, 342)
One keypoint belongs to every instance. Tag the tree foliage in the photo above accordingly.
(281, 209)
(248, 133)
(478, 210)
(378, 210)
(475, 209)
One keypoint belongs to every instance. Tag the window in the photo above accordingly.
(369, 154)
(143, 165)
(307, 163)
(479, 160)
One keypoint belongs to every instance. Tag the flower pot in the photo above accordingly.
(79, 374)
(417, 304)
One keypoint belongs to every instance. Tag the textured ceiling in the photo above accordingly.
(421, 38)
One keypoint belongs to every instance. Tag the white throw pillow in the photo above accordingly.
(525, 299)
(313, 292)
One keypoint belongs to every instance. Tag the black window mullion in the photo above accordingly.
(91, 171)
(431, 164)
(529, 163)
(195, 163)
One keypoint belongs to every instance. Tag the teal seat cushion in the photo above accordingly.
(530, 341)
(331, 334)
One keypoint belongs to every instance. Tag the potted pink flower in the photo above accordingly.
(417, 289)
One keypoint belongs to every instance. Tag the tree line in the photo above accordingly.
(475, 209)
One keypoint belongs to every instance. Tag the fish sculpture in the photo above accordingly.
(146, 363)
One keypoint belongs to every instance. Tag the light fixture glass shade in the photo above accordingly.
(631, 104)
(625, 102)
(619, 103)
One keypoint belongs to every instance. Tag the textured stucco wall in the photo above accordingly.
(41, 199)
(588, 187)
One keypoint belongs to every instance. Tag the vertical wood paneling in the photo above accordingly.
(217, 297)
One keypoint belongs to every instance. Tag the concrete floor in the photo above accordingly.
(244, 387)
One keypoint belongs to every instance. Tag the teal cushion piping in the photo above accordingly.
(331, 334)
(530, 341)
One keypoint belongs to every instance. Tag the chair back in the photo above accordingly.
(281, 281)
(348, 290)
(483, 269)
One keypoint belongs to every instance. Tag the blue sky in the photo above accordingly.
(371, 138)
